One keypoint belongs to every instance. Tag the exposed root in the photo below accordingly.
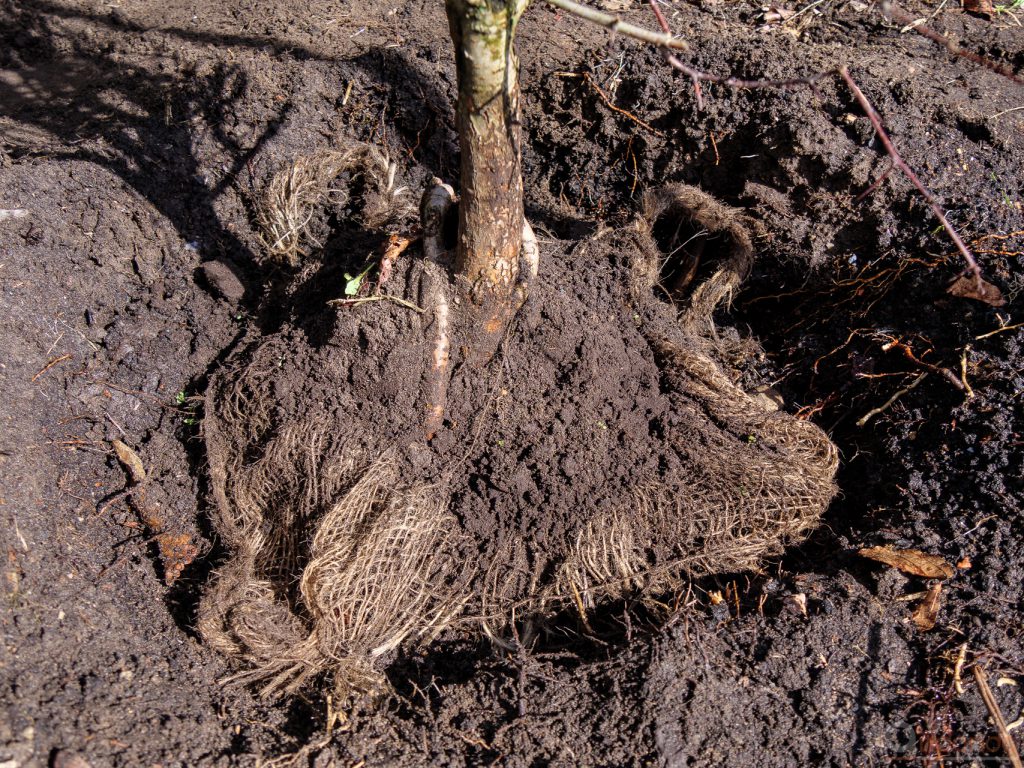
(530, 252)
(440, 348)
(438, 199)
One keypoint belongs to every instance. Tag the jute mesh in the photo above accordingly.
(337, 560)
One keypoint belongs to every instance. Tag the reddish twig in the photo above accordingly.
(697, 76)
(608, 103)
(900, 16)
(50, 365)
(899, 162)
(908, 353)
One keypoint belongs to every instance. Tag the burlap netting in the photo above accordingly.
(336, 560)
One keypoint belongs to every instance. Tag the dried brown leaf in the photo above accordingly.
(968, 287)
(910, 561)
(927, 611)
(982, 8)
(131, 461)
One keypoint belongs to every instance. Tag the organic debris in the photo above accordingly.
(980, 8)
(927, 611)
(175, 550)
(971, 287)
(912, 561)
(774, 14)
(131, 461)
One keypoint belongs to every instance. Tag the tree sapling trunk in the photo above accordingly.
(491, 221)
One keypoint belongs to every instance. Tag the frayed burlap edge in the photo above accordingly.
(290, 200)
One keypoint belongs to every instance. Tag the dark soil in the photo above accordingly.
(138, 138)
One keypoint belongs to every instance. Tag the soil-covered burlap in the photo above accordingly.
(343, 549)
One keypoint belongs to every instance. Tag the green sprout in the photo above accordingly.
(354, 283)
(182, 401)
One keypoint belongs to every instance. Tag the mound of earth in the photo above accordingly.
(604, 452)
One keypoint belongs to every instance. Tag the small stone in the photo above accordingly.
(223, 281)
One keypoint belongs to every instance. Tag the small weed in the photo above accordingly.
(188, 407)
(354, 283)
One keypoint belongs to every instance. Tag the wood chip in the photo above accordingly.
(982, 8)
(799, 601)
(911, 561)
(131, 461)
(927, 612)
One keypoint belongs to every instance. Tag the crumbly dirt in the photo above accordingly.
(137, 137)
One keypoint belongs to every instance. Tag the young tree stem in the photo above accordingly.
(491, 201)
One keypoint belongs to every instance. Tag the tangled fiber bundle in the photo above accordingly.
(293, 195)
(343, 549)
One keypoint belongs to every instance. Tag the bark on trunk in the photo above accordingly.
(491, 205)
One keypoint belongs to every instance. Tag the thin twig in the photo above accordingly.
(899, 162)
(379, 297)
(50, 365)
(1005, 112)
(997, 717)
(697, 76)
(889, 403)
(803, 10)
(608, 103)
(618, 26)
(999, 330)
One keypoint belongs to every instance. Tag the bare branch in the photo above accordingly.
(737, 82)
(618, 26)
(876, 122)
(697, 76)
(900, 16)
